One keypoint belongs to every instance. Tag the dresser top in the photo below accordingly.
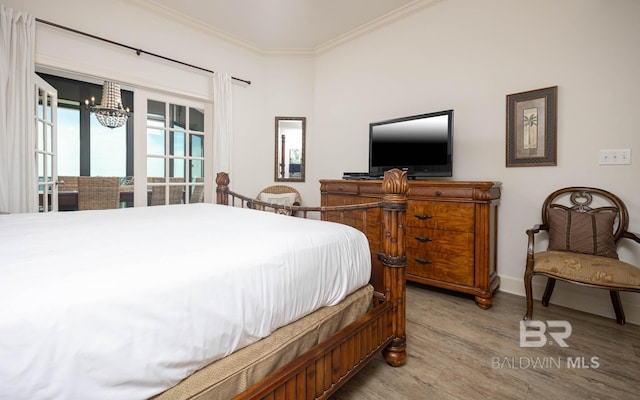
(418, 189)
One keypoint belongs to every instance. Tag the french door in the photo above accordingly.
(45, 118)
(173, 151)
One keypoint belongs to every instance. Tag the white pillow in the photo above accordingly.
(286, 199)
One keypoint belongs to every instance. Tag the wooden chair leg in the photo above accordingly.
(529, 293)
(548, 291)
(617, 306)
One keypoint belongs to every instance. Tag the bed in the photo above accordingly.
(197, 301)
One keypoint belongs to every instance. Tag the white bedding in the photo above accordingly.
(123, 304)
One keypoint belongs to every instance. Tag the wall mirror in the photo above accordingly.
(290, 138)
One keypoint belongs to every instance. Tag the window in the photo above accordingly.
(84, 146)
(107, 150)
(69, 139)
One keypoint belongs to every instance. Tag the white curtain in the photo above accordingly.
(18, 164)
(222, 122)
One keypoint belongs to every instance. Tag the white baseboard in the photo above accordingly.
(590, 300)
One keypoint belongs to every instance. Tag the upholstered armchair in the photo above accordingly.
(584, 227)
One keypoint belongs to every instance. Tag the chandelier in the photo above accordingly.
(110, 113)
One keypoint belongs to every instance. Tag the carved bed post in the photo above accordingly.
(394, 259)
(222, 189)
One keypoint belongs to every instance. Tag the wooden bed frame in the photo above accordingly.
(320, 371)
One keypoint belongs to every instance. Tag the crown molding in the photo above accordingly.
(375, 24)
(152, 6)
(170, 14)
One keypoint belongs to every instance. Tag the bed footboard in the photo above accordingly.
(320, 371)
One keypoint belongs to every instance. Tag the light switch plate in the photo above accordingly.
(615, 157)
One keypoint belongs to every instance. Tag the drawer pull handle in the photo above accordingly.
(438, 193)
(423, 239)
(423, 261)
(423, 216)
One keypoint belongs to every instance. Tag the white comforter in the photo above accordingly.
(123, 304)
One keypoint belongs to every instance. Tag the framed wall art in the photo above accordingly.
(532, 128)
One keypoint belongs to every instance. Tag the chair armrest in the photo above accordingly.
(632, 236)
(531, 237)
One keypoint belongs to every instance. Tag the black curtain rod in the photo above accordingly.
(138, 51)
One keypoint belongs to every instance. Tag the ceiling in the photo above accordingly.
(286, 25)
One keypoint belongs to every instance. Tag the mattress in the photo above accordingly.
(126, 303)
(223, 379)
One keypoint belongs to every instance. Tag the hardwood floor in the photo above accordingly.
(458, 351)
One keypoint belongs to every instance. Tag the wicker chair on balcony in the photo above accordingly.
(98, 193)
(584, 228)
(158, 192)
(67, 183)
(197, 194)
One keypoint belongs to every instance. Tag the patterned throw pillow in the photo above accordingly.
(582, 232)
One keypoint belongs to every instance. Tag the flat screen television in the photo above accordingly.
(422, 145)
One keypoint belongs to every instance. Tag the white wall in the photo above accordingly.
(460, 54)
(288, 85)
(468, 55)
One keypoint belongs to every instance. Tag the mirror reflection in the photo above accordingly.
(290, 138)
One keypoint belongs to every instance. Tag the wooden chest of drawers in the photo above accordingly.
(451, 230)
